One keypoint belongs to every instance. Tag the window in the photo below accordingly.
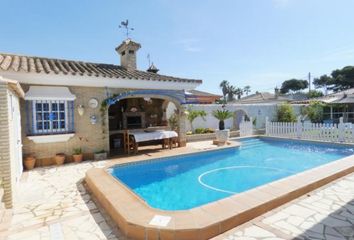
(51, 117)
(131, 51)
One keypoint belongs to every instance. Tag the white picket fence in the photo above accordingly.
(342, 132)
(246, 128)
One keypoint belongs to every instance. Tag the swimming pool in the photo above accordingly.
(185, 182)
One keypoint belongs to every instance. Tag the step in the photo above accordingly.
(251, 140)
(252, 146)
(252, 143)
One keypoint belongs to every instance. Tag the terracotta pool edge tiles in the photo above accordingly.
(133, 215)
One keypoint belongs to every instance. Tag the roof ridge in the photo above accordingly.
(54, 58)
(46, 65)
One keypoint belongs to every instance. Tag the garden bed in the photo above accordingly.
(208, 136)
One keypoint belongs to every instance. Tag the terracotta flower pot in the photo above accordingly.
(77, 158)
(29, 162)
(59, 158)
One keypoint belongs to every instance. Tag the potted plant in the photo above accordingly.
(100, 155)
(59, 158)
(29, 161)
(222, 135)
(77, 155)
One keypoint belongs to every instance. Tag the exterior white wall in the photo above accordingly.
(256, 111)
(10, 142)
(15, 138)
(171, 108)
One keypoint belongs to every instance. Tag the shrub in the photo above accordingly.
(285, 113)
(77, 151)
(193, 114)
(315, 111)
(209, 130)
(200, 130)
(204, 130)
(314, 94)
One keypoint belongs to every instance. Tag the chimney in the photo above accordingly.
(127, 51)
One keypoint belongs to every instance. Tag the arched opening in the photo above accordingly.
(239, 116)
(138, 113)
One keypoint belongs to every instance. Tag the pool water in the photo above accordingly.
(185, 182)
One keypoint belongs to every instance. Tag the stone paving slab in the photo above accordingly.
(52, 203)
(326, 213)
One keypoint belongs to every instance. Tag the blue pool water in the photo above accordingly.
(184, 182)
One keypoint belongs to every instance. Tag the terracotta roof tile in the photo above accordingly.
(11, 62)
(24, 64)
(6, 63)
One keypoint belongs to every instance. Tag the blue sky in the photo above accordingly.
(247, 42)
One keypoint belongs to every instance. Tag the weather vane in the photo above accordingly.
(124, 24)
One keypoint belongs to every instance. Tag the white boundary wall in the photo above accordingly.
(256, 111)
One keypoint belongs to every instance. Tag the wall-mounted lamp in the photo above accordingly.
(81, 110)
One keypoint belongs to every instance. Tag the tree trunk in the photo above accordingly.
(221, 125)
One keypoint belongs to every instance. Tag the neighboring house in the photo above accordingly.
(203, 97)
(262, 97)
(62, 106)
(338, 104)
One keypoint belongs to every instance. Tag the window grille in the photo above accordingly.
(49, 117)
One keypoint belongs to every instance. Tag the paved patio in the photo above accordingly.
(52, 203)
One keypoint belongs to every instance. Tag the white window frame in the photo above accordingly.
(50, 130)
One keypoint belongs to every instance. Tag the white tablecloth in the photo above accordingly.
(155, 135)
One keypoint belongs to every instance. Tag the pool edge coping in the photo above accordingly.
(132, 214)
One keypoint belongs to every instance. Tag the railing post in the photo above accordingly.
(341, 129)
(267, 126)
(298, 128)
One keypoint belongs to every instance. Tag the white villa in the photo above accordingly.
(51, 106)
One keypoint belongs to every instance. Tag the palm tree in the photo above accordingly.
(224, 85)
(231, 92)
(239, 92)
(247, 90)
(193, 114)
(222, 115)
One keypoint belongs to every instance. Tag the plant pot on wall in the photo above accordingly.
(221, 125)
(29, 162)
(59, 158)
(222, 136)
